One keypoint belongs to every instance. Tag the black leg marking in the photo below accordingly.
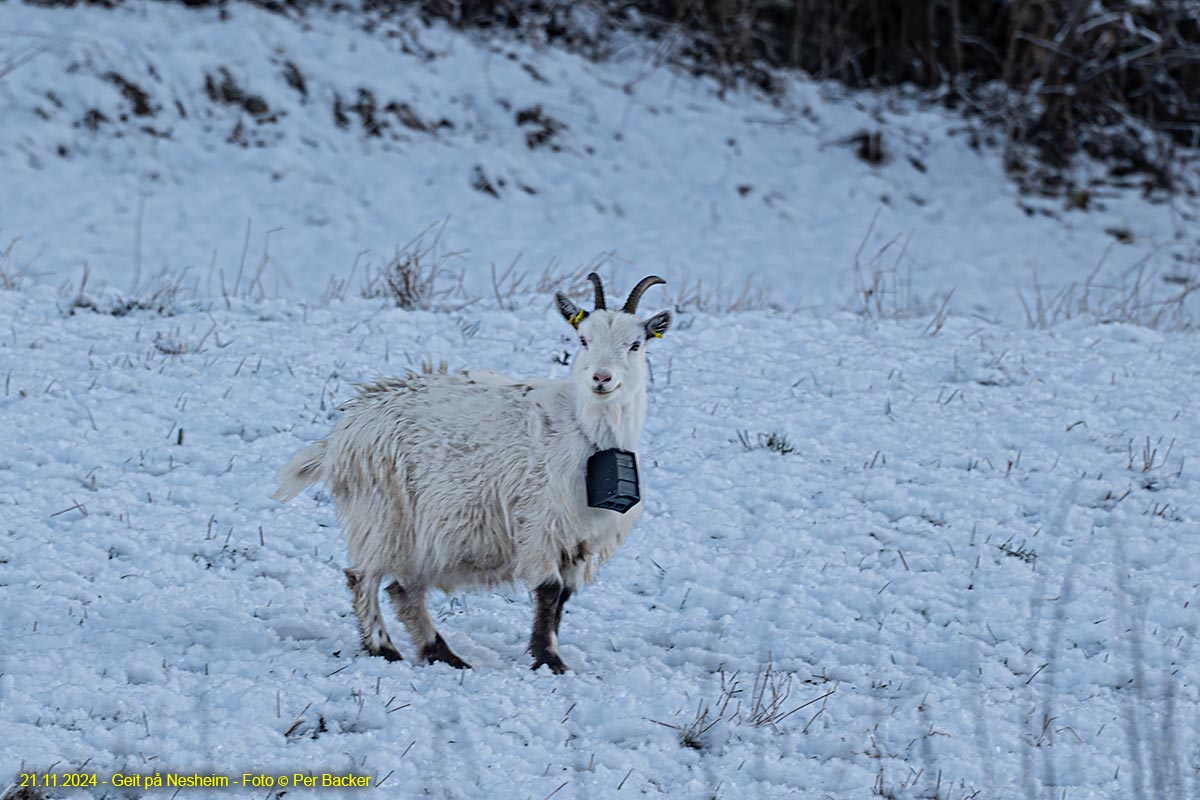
(388, 652)
(543, 644)
(438, 650)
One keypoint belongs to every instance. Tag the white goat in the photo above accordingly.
(474, 479)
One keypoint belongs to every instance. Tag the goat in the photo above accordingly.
(469, 479)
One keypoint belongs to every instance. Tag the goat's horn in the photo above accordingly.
(645, 283)
(595, 279)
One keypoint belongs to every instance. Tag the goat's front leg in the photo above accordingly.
(543, 644)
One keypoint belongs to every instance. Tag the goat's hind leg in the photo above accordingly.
(375, 637)
(414, 613)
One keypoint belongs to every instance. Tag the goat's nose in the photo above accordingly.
(602, 376)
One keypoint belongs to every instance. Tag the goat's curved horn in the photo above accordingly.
(645, 283)
(595, 279)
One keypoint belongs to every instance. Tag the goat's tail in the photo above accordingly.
(301, 472)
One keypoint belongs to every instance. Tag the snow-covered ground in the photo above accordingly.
(251, 122)
(970, 547)
(966, 550)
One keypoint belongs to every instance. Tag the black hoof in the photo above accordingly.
(552, 661)
(438, 650)
(390, 653)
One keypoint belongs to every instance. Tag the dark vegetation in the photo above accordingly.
(1118, 80)
(224, 89)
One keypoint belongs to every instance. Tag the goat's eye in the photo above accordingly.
(583, 340)
(633, 347)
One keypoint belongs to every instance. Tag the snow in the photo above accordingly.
(650, 166)
(163, 612)
(972, 572)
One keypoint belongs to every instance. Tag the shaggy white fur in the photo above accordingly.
(452, 480)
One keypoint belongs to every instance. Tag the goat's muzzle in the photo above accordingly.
(603, 383)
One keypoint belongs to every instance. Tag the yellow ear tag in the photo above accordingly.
(578, 318)
(657, 335)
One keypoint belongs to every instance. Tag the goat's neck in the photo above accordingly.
(612, 422)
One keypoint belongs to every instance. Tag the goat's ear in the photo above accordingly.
(571, 312)
(657, 325)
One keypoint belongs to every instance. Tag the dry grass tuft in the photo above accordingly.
(416, 276)
(766, 706)
(1159, 301)
(692, 734)
(18, 792)
(513, 286)
(774, 441)
(752, 295)
(161, 295)
(881, 292)
(11, 276)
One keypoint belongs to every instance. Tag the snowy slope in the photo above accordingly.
(157, 137)
(968, 559)
(968, 564)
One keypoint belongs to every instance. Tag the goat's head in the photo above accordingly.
(612, 344)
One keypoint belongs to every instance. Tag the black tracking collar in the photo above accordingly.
(612, 480)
